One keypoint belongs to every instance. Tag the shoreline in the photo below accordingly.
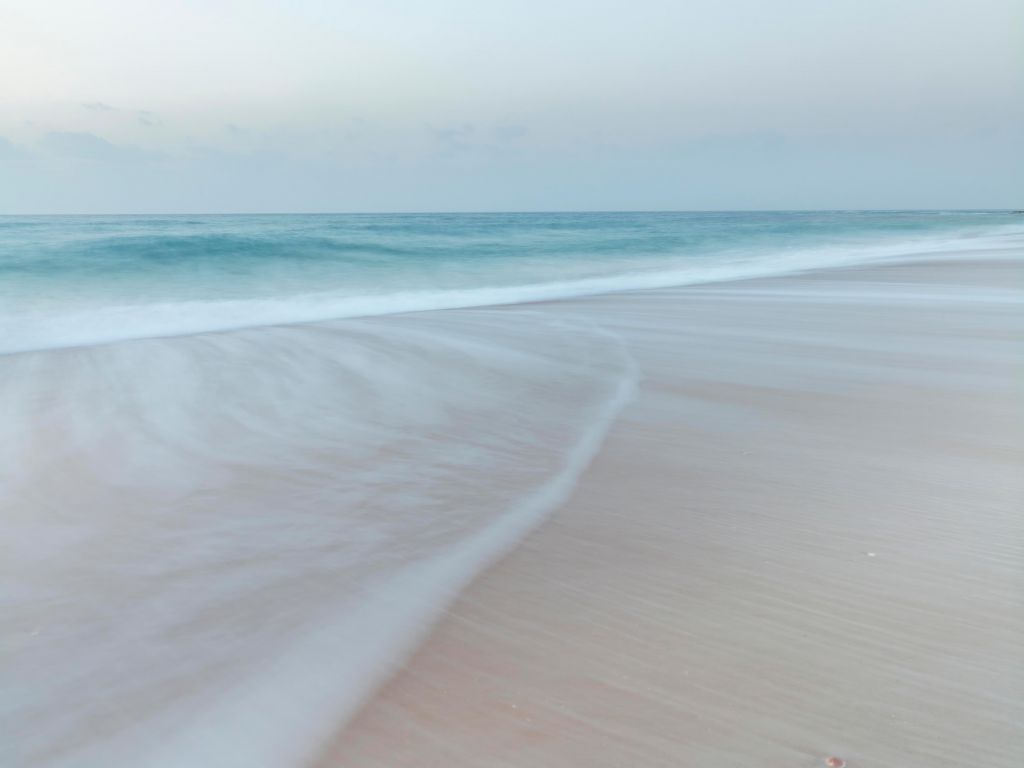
(332, 309)
(797, 542)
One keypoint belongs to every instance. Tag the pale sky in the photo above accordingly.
(439, 105)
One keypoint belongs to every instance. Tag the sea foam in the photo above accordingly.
(223, 543)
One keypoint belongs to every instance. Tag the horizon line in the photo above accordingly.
(520, 212)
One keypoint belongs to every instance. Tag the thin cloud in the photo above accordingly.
(89, 146)
(457, 138)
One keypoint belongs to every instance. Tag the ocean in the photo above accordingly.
(77, 280)
(242, 470)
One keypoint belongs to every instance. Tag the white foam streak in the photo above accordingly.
(385, 627)
(218, 545)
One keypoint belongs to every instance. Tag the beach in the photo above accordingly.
(801, 540)
(753, 513)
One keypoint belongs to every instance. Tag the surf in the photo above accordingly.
(218, 545)
(170, 276)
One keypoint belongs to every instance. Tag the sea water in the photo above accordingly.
(240, 476)
(76, 280)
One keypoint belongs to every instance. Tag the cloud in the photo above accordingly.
(11, 154)
(510, 132)
(456, 138)
(81, 145)
(89, 146)
(143, 116)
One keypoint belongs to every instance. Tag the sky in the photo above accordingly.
(139, 106)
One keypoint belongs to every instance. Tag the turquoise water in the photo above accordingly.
(75, 280)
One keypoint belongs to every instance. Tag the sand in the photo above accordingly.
(801, 540)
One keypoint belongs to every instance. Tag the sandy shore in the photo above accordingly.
(804, 538)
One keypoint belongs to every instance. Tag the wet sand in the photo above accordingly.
(803, 539)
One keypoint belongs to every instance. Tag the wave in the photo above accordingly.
(27, 331)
